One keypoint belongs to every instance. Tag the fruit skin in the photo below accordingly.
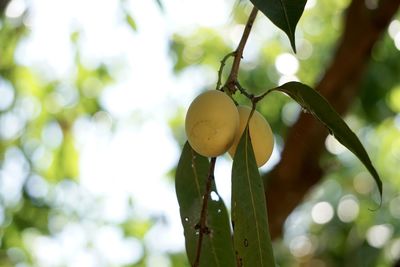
(261, 135)
(211, 123)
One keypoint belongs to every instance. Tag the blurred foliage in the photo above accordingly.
(347, 230)
(39, 159)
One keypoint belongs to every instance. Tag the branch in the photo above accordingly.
(231, 84)
(202, 226)
(299, 167)
(232, 79)
(221, 68)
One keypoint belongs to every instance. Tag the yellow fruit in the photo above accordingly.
(260, 134)
(211, 123)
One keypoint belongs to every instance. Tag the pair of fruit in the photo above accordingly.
(214, 125)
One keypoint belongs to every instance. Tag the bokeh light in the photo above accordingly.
(333, 145)
(322, 212)
(363, 183)
(301, 246)
(287, 64)
(379, 235)
(348, 208)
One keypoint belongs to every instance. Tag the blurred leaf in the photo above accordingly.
(284, 14)
(190, 183)
(319, 107)
(137, 228)
(65, 163)
(365, 256)
(32, 215)
(249, 215)
(204, 46)
(160, 4)
(11, 235)
(131, 22)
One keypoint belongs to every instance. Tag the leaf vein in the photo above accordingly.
(252, 198)
(196, 177)
(286, 17)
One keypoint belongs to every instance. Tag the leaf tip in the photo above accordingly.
(293, 44)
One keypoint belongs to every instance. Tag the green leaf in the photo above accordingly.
(190, 184)
(318, 106)
(283, 13)
(131, 22)
(251, 236)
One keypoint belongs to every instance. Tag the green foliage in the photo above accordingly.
(249, 217)
(195, 49)
(311, 101)
(283, 13)
(379, 81)
(191, 179)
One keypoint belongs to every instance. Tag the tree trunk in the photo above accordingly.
(299, 167)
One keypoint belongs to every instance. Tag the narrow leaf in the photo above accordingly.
(160, 5)
(190, 184)
(251, 236)
(283, 13)
(318, 106)
(131, 22)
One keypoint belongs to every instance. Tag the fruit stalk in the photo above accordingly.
(202, 226)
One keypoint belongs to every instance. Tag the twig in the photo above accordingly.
(202, 226)
(243, 91)
(221, 68)
(261, 96)
(239, 51)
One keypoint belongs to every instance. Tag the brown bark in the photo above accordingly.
(299, 167)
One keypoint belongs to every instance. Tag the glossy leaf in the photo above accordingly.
(251, 236)
(319, 107)
(190, 183)
(283, 13)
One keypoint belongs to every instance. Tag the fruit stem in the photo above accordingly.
(260, 97)
(202, 225)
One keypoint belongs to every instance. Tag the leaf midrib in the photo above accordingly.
(252, 198)
(196, 177)
(286, 17)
